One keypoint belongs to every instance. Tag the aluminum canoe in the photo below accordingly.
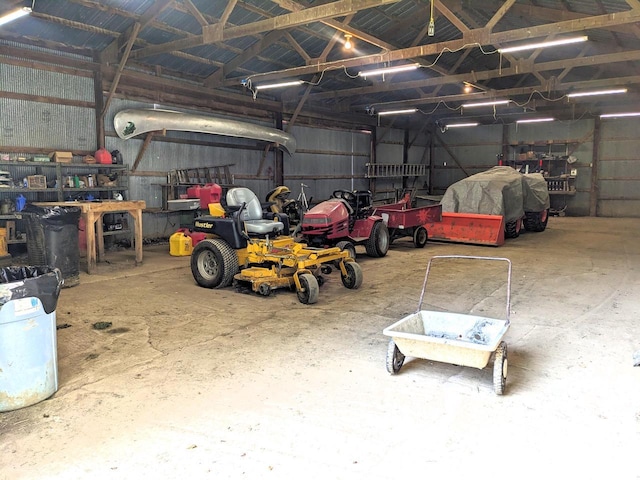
(132, 122)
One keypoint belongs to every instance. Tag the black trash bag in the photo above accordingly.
(42, 282)
(52, 239)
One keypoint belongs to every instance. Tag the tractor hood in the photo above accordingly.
(326, 212)
(132, 122)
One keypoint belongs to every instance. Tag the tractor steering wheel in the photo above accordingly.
(345, 195)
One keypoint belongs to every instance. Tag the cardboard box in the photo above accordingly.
(36, 181)
(61, 157)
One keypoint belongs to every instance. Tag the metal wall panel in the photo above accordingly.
(43, 125)
(33, 81)
(619, 168)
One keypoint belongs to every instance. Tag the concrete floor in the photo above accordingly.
(196, 383)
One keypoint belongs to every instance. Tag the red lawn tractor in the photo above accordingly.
(346, 220)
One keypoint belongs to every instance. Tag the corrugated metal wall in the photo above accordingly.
(619, 168)
(327, 160)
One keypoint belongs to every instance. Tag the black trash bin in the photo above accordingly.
(52, 239)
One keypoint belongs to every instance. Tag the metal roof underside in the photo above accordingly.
(232, 46)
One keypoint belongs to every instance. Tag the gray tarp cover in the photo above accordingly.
(498, 191)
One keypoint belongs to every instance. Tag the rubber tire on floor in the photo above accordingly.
(214, 263)
(536, 221)
(420, 237)
(353, 279)
(377, 244)
(512, 229)
(500, 364)
(311, 289)
(395, 358)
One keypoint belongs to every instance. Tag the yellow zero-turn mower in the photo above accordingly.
(247, 246)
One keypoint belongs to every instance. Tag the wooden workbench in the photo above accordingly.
(92, 213)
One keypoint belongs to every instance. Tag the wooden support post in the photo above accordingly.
(593, 199)
(405, 157)
(279, 163)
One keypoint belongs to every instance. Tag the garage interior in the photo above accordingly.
(220, 382)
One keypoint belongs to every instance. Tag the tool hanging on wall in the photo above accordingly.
(432, 26)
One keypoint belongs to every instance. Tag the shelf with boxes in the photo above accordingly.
(57, 177)
(554, 160)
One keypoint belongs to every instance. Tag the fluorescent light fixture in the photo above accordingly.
(536, 120)
(10, 17)
(486, 104)
(552, 43)
(383, 71)
(398, 112)
(597, 92)
(459, 125)
(278, 85)
(616, 115)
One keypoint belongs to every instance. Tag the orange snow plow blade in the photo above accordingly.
(471, 228)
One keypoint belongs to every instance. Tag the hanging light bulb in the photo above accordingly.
(347, 42)
(431, 30)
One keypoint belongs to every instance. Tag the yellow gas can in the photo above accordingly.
(180, 245)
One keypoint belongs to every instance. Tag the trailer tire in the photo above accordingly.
(377, 244)
(536, 221)
(395, 358)
(353, 278)
(500, 369)
(420, 237)
(512, 229)
(311, 289)
(214, 263)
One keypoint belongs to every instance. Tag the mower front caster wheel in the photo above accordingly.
(308, 294)
(353, 278)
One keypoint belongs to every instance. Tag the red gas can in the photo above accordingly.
(196, 237)
(209, 193)
(103, 156)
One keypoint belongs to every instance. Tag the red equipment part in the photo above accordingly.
(209, 193)
(471, 228)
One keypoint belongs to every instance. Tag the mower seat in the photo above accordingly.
(252, 213)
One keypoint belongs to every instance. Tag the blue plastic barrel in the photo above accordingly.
(28, 343)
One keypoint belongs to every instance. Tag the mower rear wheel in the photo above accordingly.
(310, 289)
(214, 263)
(353, 278)
(420, 237)
(377, 244)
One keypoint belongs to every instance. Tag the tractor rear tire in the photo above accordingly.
(311, 289)
(536, 221)
(214, 263)
(420, 237)
(377, 244)
(353, 278)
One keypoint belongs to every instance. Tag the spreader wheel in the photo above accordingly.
(420, 237)
(214, 263)
(500, 369)
(395, 358)
(353, 278)
(310, 289)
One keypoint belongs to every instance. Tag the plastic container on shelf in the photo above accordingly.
(28, 342)
(209, 193)
(103, 156)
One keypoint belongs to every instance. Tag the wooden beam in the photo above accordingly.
(593, 192)
(449, 15)
(481, 36)
(499, 14)
(486, 75)
(227, 12)
(195, 12)
(296, 112)
(308, 15)
(448, 150)
(123, 62)
(143, 148)
(634, 4)
(45, 99)
(297, 47)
